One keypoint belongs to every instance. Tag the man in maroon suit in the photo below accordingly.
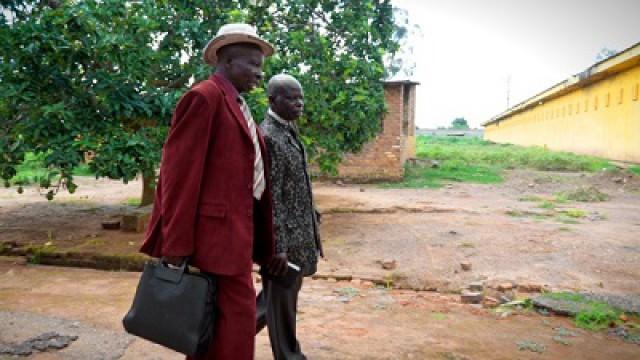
(213, 205)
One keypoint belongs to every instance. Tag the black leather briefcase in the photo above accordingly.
(173, 308)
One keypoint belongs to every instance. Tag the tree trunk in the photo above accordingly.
(148, 190)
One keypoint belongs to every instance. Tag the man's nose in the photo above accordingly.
(259, 75)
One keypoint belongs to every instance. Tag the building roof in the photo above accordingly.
(624, 60)
(401, 82)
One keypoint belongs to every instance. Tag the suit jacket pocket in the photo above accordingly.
(213, 210)
(212, 229)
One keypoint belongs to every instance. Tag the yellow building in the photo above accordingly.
(595, 112)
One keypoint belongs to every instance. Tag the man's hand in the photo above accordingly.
(173, 260)
(278, 265)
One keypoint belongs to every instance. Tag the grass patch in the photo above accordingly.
(542, 216)
(133, 201)
(516, 213)
(477, 161)
(467, 245)
(568, 221)
(531, 198)
(36, 252)
(448, 171)
(593, 315)
(479, 152)
(83, 170)
(573, 213)
(584, 194)
(566, 296)
(547, 205)
(95, 242)
(525, 213)
(598, 316)
(565, 216)
(33, 169)
(635, 169)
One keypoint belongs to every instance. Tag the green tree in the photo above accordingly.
(459, 123)
(104, 76)
(407, 33)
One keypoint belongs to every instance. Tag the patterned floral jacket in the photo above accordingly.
(295, 218)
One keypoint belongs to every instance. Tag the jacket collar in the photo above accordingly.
(225, 84)
(279, 119)
(287, 128)
(232, 97)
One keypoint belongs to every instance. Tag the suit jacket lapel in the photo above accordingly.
(233, 104)
(294, 142)
(290, 138)
(237, 113)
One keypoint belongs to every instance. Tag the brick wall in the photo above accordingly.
(384, 156)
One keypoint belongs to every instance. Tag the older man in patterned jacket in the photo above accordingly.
(295, 219)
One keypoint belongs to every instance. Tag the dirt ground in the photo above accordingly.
(427, 232)
(337, 320)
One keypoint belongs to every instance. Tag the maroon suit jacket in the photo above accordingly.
(204, 205)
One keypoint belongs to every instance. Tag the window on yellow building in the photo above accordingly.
(621, 96)
(635, 91)
(595, 103)
(570, 109)
(578, 108)
(606, 99)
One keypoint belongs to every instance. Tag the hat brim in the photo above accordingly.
(210, 54)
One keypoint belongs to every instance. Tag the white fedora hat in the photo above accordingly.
(233, 34)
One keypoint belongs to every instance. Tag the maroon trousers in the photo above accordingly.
(235, 325)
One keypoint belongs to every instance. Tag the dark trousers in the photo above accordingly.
(276, 307)
(233, 337)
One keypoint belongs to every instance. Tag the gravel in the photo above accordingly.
(89, 343)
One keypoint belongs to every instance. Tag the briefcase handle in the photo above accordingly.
(171, 273)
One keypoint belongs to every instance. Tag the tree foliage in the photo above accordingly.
(104, 76)
(402, 63)
(459, 123)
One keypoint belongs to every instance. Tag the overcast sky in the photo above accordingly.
(471, 47)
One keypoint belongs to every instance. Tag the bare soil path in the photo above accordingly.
(337, 320)
(428, 232)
